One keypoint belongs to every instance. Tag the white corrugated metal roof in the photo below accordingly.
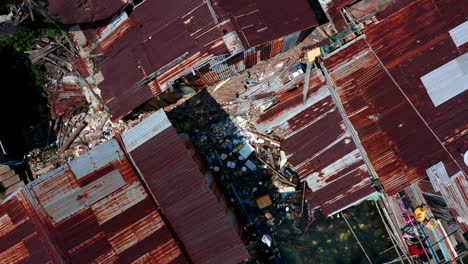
(116, 22)
(96, 158)
(447, 81)
(459, 34)
(147, 129)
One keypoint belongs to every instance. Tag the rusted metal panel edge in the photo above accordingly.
(42, 225)
(348, 124)
(151, 195)
(354, 203)
(146, 130)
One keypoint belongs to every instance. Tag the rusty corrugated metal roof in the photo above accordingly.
(339, 4)
(94, 209)
(153, 37)
(260, 21)
(319, 146)
(453, 189)
(67, 98)
(383, 119)
(164, 38)
(379, 83)
(85, 11)
(182, 193)
(427, 46)
(21, 240)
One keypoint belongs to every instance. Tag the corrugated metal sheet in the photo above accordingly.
(151, 39)
(104, 216)
(290, 41)
(260, 21)
(220, 68)
(109, 36)
(438, 175)
(454, 190)
(459, 34)
(109, 29)
(146, 130)
(364, 88)
(66, 98)
(141, 43)
(78, 36)
(428, 46)
(399, 134)
(319, 146)
(336, 17)
(181, 191)
(342, 3)
(460, 184)
(88, 13)
(20, 241)
(90, 162)
(447, 81)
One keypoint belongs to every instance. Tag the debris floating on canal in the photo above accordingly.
(268, 195)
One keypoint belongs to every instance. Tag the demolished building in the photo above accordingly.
(317, 143)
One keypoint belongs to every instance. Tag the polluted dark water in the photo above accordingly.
(277, 225)
(329, 240)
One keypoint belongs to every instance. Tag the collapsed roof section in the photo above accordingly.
(96, 209)
(319, 145)
(133, 53)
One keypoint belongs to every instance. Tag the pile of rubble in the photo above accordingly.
(76, 135)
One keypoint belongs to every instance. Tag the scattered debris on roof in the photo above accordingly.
(160, 42)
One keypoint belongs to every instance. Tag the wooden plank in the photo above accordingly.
(307, 81)
(6, 175)
(4, 168)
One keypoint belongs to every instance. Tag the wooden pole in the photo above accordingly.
(359, 242)
(303, 198)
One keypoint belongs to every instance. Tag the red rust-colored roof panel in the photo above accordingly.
(120, 88)
(154, 36)
(20, 242)
(260, 21)
(180, 189)
(339, 4)
(319, 146)
(358, 76)
(426, 49)
(336, 17)
(100, 216)
(84, 11)
(401, 136)
(157, 47)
